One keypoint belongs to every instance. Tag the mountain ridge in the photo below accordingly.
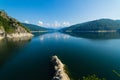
(34, 27)
(95, 25)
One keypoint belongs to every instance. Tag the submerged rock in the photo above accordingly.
(60, 73)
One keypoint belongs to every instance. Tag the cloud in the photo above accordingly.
(26, 21)
(65, 24)
(40, 23)
(57, 24)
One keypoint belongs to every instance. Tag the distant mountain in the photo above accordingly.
(33, 27)
(96, 25)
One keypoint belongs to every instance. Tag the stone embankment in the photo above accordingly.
(60, 73)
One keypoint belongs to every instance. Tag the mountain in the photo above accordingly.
(95, 26)
(10, 27)
(33, 27)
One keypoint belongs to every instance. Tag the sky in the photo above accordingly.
(60, 13)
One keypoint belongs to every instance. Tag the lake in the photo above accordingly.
(84, 54)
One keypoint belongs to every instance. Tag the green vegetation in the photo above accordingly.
(92, 77)
(27, 29)
(9, 24)
(6, 24)
(96, 25)
(118, 74)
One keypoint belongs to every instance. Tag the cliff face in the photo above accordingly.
(10, 27)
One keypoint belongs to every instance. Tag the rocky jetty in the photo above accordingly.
(11, 28)
(59, 68)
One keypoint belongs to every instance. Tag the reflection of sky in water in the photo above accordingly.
(55, 36)
(82, 55)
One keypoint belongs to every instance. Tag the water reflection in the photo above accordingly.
(55, 36)
(24, 60)
(36, 34)
(96, 35)
(9, 46)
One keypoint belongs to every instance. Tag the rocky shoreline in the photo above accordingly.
(1, 37)
(59, 68)
(12, 28)
(17, 35)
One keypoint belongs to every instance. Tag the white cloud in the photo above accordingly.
(57, 24)
(40, 23)
(65, 24)
(26, 21)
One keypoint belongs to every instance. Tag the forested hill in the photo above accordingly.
(96, 25)
(12, 28)
(11, 25)
(33, 27)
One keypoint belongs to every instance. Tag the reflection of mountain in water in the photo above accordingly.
(9, 46)
(96, 35)
(36, 34)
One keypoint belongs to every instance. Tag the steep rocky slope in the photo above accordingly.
(10, 27)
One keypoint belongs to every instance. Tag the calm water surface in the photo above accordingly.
(84, 55)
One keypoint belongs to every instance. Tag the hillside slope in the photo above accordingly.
(33, 27)
(10, 27)
(96, 25)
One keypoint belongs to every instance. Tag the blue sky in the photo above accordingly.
(59, 13)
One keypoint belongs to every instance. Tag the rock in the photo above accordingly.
(19, 35)
(2, 33)
(60, 73)
(11, 28)
(4, 14)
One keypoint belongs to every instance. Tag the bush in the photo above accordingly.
(8, 25)
(92, 77)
